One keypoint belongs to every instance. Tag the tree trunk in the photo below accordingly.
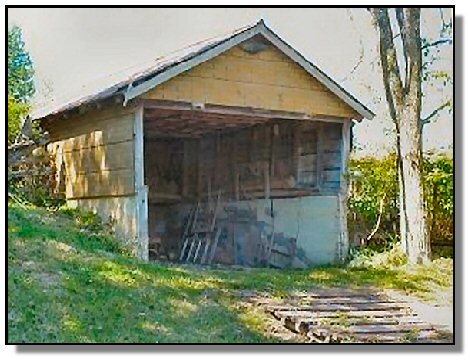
(414, 233)
(404, 101)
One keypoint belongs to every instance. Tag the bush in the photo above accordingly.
(373, 181)
(369, 258)
(96, 233)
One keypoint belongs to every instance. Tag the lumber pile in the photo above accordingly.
(344, 315)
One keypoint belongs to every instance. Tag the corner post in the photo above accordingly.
(343, 246)
(141, 189)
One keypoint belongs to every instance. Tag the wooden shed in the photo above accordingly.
(232, 150)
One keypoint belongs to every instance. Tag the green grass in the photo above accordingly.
(68, 281)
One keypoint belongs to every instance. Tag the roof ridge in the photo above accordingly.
(164, 68)
(139, 68)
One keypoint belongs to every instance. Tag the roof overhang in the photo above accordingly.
(138, 85)
(259, 29)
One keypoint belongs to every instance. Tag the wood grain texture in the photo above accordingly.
(267, 80)
(103, 183)
(94, 153)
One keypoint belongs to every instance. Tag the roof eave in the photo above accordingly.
(130, 92)
(259, 29)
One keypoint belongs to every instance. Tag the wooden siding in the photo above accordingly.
(280, 159)
(94, 153)
(267, 80)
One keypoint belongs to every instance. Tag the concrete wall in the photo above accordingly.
(312, 220)
(118, 211)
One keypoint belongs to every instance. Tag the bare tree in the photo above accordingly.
(403, 95)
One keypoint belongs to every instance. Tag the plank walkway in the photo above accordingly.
(345, 315)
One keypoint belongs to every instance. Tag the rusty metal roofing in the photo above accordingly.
(134, 81)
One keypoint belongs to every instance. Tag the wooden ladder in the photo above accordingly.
(201, 237)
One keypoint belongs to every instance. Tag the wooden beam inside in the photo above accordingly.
(238, 110)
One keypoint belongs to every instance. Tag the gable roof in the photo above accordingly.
(138, 81)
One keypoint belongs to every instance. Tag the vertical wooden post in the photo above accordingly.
(199, 169)
(139, 185)
(296, 152)
(274, 132)
(343, 244)
(184, 170)
(320, 149)
(235, 157)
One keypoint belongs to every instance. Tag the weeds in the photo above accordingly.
(69, 280)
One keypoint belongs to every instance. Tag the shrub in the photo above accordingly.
(373, 181)
(369, 258)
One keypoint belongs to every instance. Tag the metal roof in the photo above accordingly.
(135, 81)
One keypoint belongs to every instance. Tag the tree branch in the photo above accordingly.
(437, 42)
(401, 24)
(361, 51)
(379, 218)
(388, 58)
(413, 48)
(428, 118)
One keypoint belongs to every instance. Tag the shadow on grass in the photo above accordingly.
(96, 303)
(67, 286)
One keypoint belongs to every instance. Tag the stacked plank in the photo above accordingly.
(343, 315)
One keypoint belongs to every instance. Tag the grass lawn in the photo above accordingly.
(67, 284)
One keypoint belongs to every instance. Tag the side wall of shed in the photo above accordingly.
(94, 155)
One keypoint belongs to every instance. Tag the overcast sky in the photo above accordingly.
(74, 47)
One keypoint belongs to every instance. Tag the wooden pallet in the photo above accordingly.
(344, 315)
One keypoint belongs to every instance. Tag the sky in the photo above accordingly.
(71, 48)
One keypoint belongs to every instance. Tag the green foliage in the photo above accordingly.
(67, 285)
(439, 187)
(370, 258)
(35, 188)
(20, 67)
(375, 179)
(16, 112)
(20, 81)
(35, 193)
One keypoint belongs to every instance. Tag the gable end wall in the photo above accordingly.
(266, 80)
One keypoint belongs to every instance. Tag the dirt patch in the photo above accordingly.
(47, 279)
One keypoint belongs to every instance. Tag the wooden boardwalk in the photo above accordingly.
(345, 315)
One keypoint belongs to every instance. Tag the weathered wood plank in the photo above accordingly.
(102, 158)
(307, 162)
(341, 300)
(345, 307)
(373, 329)
(252, 82)
(347, 315)
(351, 315)
(320, 150)
(332, 160)
(392, 320)
(94, 133)
(139, 183)
(105, 183)
(331, 176)
(337, 297)
(394, 337)
(336, 292)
